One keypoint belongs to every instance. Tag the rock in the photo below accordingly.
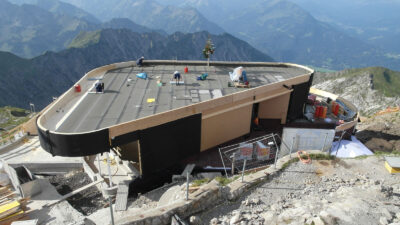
(214, 221)
(256, 201)
(235, 219)
(243, 223)
(383, 221)
(386, 213)
(268, 216)
(318, 221)
(328, 218)
(156, 221)
(195, 220)
(398, 215)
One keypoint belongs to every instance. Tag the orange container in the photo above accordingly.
(186, 70)
(78, 88)
(324, 111)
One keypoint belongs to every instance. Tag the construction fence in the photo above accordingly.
(266, 150)
(255, 153)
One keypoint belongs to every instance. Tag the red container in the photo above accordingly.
(336, 112)
(186, 70)
(78, 88)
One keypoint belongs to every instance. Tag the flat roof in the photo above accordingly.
(127, 97)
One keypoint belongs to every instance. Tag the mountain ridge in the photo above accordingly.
(38, 79)
(371, 89)
(289, 33)
(29, 30)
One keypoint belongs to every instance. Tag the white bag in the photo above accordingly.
(4, 180)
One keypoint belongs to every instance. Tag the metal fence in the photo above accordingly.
(258, 152)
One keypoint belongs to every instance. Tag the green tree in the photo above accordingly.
(208, 50)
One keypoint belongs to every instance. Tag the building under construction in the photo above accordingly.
(156, 121)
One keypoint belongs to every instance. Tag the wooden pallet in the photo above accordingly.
(241, 85)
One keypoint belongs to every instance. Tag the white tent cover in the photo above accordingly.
(350, 149)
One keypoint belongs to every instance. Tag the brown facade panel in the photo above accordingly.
(275, 108)
(224, 127)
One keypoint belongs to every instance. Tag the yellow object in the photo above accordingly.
(12, 215)
(391, 169)
(9, 206)
(150, 100)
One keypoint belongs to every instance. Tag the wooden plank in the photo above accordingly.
(9, 209)
(11, 218)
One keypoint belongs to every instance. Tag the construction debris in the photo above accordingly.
(392, 164)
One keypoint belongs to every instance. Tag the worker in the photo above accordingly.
(139, 62)
(177, 77)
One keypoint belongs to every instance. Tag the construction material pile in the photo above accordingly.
(327, 110)
(11, 208)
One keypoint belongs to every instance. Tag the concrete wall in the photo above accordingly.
(224, 127)
(275, 108)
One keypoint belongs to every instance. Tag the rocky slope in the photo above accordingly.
(37, 80)
(370, 89)
(351, 191)
(381, 133)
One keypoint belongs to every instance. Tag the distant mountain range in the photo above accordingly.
(289, 33)
(279, 28)
(36, 80)
(30, 30)
(151, 14)
(375, 22)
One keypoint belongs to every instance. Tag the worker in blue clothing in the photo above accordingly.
(177, 77)
(139, 61)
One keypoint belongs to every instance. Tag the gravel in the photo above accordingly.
(349, 191)
(87, 201)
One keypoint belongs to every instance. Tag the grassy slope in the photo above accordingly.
(84, 39)
(11, 117)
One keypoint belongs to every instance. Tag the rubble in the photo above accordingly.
(354, 191)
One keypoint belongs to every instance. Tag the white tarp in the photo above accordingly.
(237, 73)
(350, 149)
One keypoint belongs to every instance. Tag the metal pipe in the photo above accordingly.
(222, 159)
(244, 167)
(110, 182)
(277, 151)
(291, 148)
(326, 135)
(98, 162)
(187, 185)
(233, 164)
